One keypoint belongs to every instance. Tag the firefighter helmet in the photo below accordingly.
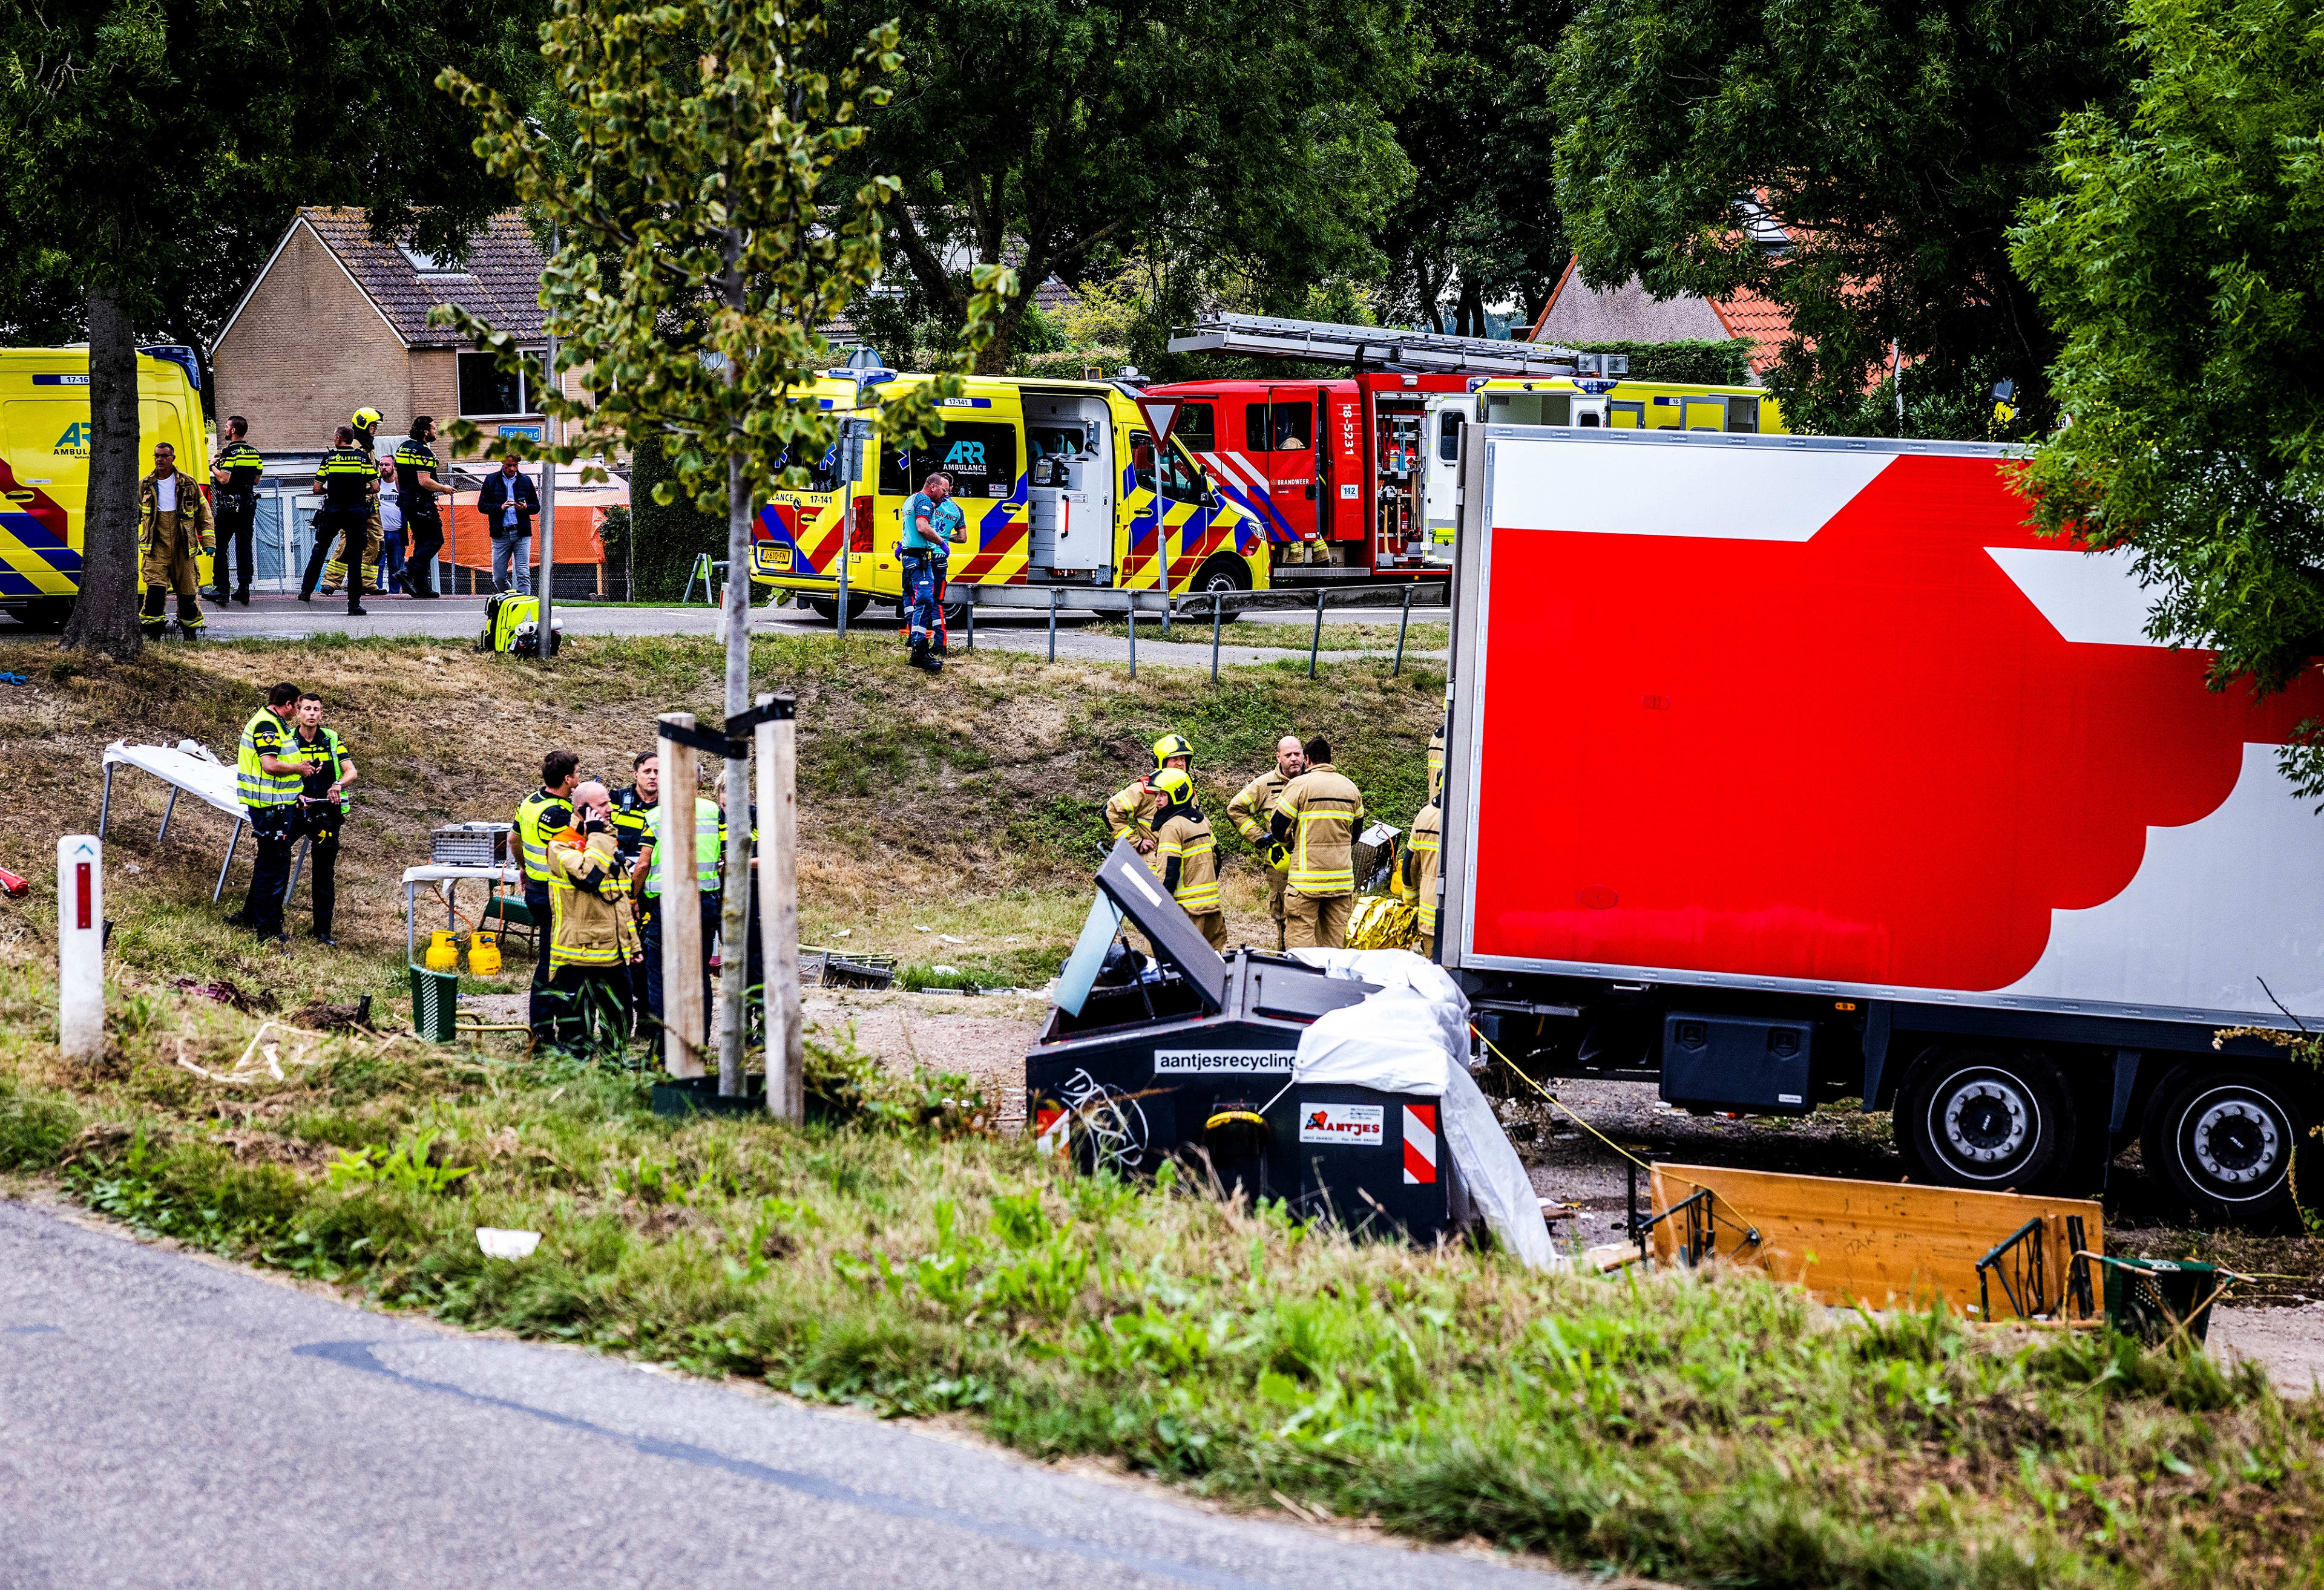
(1173, 745)
(1175, 786)
(363, 419)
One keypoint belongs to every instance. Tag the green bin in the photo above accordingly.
(435, 1001)
(2148, 1298)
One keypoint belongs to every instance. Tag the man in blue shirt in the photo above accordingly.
(933, 522)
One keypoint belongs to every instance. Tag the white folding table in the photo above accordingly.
(451, 877)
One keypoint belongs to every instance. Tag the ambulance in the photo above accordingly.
(44, 452)
(1355, 477)
(1060, 483)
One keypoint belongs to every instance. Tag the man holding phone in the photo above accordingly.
(933, 523)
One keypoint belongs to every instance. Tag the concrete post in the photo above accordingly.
(683, 1019)
(81, 946)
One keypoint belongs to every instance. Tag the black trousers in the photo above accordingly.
(275, 829)
(238, 519)
(538, 1011)
(321, 825)
(650, 936)
(588, 1012)
(328, 524)
(425, 531)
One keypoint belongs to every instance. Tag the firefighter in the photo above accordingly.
(542, 815)
(1416, 871)
(589, 992)
(1315, 819)
(1130, 810)
(269, 784)
(1188, 853)
(349, 486)
(932, 523)
(173, 527)
(1250, 811)
(1436, 763)
(416, 490)
(235, 473)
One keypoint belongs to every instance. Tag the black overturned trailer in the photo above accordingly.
(1188, 1057)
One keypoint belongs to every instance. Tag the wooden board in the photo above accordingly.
(1878, 1243)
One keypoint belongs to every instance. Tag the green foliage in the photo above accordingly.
(1706, 363)
(1888, 145)
(33, 1130)
(694, 203)
(667, 536)
(2184, 264)
(405, 1168)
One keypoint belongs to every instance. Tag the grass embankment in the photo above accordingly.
(1708, 1430)
(1421, 639)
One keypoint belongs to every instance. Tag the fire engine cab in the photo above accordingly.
(1354, 477)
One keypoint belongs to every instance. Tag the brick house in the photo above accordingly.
(336, 320)
(1578, 312)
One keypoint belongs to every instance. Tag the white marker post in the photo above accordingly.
(685, 1024)
(81, 946)
(777, 756)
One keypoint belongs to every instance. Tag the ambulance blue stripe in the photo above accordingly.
(12, 584)
(1261, 508)
(998, 516)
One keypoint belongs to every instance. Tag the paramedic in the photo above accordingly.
(1129, 811)
(416, 490)
(1189, 856)
(539, 817)
(1315, 818)
(1251, 812)
(234, 473)
(174, 529)
(932, 523)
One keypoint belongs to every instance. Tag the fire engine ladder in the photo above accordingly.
(1356, 347)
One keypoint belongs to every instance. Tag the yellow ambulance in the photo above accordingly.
(1060, 484)
(44, 450)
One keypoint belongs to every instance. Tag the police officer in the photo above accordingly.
(1253, 808)
(1316, 818)
(632, 808)
(234, 473)
(1184, 844)
(173, 529)
(269, 775)
(323, 807)
(350, 484)
(349, 563)
(417, 492)
(932, 523)
(541, 816)
(1130, 810)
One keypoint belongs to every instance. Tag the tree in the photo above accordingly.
(689, 193)
(1480, 220)
(150, 150)
(1062, 135)
(1860, 163)
(2183, 266)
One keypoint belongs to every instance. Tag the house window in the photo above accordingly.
(487, 391)
(433, 264)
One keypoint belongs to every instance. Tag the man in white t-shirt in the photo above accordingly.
(174, 527)
(391, 530)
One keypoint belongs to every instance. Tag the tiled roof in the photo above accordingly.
(1625, 314)
(500, 279)
(1745, 314)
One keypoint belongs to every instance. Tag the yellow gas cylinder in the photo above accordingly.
(443, 954)
(484, 955)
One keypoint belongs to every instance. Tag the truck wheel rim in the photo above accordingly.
(2233, 1144)
(1984, 1121)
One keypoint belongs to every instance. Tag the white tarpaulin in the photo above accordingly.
(1410, 1037)
(185, 766)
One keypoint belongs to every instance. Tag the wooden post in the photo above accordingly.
(777, 758)
(683, 1019)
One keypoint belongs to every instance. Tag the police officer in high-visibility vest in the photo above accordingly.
(1253, 808)
(269, 775)
(1316, 817)
(233, 476)
(1184, 846)
(417, 492)
(1130, 810)
(1417, 871)
(349, 485)
(709, 852)
(541, 816)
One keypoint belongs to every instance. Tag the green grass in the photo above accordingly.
(1424, 637)
(1711, 1428)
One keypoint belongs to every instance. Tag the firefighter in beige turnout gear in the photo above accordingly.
(1130, 811)
(1316, 818)
(173, 529)
(1416, 872)
(1251, 812)
(1189, 855)
(590, 942)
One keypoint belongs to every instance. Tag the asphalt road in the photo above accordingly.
(166, 1421)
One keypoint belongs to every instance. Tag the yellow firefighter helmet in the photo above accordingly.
(1173, 745)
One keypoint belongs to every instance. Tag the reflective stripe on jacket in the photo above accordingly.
(1420, 858)
(709, 845)
(1325, 809)
(1130, 811)
(584, 892)
(632, 812)
(1437, 764)
(264, 733)
(1248, 810)
(539, 817)
(1190, 862)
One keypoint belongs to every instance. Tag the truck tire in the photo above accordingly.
(1223, 575)
(2223, 1140)
(1991, 1118)
(828, 611)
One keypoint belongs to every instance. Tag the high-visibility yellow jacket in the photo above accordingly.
(1254, 806)
(584, 892)
(709, 846)
(1317, 815)
(1188, 853)
(539, 817)
(1418, 873)
(264, 735)
(1130, 811)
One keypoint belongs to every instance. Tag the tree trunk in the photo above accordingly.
(1472, 306)
(734, 918)
(104, 618)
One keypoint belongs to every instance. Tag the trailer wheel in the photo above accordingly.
(1994, 1119)
(2224, 1141)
